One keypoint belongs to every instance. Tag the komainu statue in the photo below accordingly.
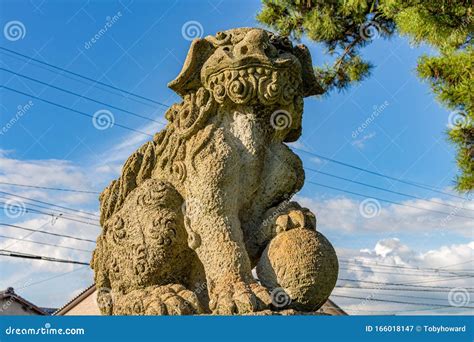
(208, 200)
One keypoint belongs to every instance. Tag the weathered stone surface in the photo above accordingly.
(194, 209)
(300, 269)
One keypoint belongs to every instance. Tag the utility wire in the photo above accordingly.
(396, 270)
(35, 211)
(400, 302)
(386, 190)
(389, 201)
(47, 188)
(51, 278)
(82, 96)
(395, 312)
(54, 211)
(84, 77)
(412, 183)
(72, 110)
(46, 244)
(47, 203)
(401, 296)
(378, 264)
(404, 274)
(411, 284)
(79, 80)
(396, 289)
(46, 232)
(460, 263)
(4, 252)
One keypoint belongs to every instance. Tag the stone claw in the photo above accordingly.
(171, 299)
(290, 216)
(240, 298)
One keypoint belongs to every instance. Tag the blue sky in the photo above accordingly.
(142, 51)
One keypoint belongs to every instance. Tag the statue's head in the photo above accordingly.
(250, 66)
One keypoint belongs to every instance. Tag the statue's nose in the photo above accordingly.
(254, 43)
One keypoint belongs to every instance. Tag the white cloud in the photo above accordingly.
(391, 261)
(345, 215)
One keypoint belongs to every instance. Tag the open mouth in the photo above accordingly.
(253, 63)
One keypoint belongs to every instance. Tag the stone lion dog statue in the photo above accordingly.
(208, 200)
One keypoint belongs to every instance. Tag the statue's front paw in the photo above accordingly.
(174, 299)
(290, 216)
(239, 298)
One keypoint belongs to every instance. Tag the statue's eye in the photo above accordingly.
(226, 49)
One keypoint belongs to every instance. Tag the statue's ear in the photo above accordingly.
(189, 79)
(311, 85)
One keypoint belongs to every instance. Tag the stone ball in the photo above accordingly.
(300, 268)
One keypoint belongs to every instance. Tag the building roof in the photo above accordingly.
(332, 309)
(49, 311)
(74, 301)
(9, 293)
(329, 308)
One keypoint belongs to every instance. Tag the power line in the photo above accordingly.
(51, 278)
(387, 190)
(45, 244)
(402, 296)
(403, 274)
(80, 80)
(397, 289)
(73, 110)
(4, 252)
(85, 77)
(50, 204)
(55, 212)
(412, 183)
(416, 270)
(35, 211)
(48, 188)
(400, 302)
(378, 264)
(394, 312)
(460, 263)
(389, 201)
(411, 284)
(82, 96)
(46, 232)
